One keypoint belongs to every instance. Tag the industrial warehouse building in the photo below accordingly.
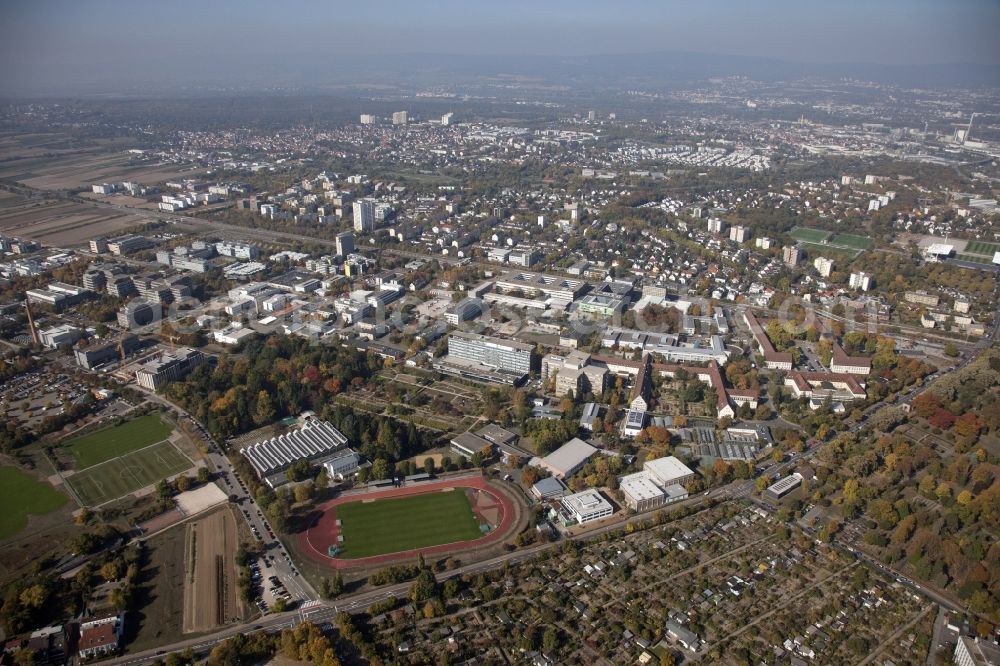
(313, 440)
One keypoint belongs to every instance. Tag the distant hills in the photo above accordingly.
(400, 73)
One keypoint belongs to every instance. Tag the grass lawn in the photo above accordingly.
(823, 249)
(982, 247)
(810, 235)
(103, 445)
(850, 240)
(974, 259)
(121, 476)
(404, 523)
(22, 494)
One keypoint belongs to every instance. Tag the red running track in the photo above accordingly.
(316, 540)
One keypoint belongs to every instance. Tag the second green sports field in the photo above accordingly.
(115, 441)
(405, 523)
(120, 476)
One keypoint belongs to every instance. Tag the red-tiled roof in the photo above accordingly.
(840, 357)
(803, 379)
(770, 353)
(101, 635)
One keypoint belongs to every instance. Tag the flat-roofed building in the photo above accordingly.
(524, 256)
(344, 464)
(666, 345)
(169, 368)
(606, 305)
(548, 488)
(976, 652)
(668, 471)
(464, 310)
(587, 506)
(921, 298)
(791, 255)
(497, 435)
(635, 421)
(58, 295)
(467, 444)
(128, 244)
(495, 353)
(782, 487)
(63, 334)
(643, 491)
(567, 459)
(538, 283)
(93, 355)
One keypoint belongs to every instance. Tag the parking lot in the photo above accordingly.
(30, 397)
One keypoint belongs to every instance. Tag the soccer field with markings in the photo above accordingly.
(107, 443)
(405, 523)
(123, 475)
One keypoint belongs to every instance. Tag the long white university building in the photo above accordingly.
(312, 440)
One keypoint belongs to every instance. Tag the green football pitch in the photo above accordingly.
(120, 476)
(852, 241)
(982, 248)
(22, 494)
(405, 523)
(108, 443)
(809, 235)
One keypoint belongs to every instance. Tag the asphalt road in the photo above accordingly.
(227, 479)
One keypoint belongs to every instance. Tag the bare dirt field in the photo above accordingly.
(61, 223)
(82, 169)
(160, 617)
(211, 598)
(200, 499)
(122, 200)
(20, 146)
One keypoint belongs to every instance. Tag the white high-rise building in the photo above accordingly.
(446, 118)
(791, 256)
(861, 281)
(739, 234)
(974, 652)
(400, 118)
(824, 266)
(367, 119)
(716, 226)
(364, 215)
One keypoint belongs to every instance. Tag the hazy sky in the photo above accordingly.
(49, 41)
